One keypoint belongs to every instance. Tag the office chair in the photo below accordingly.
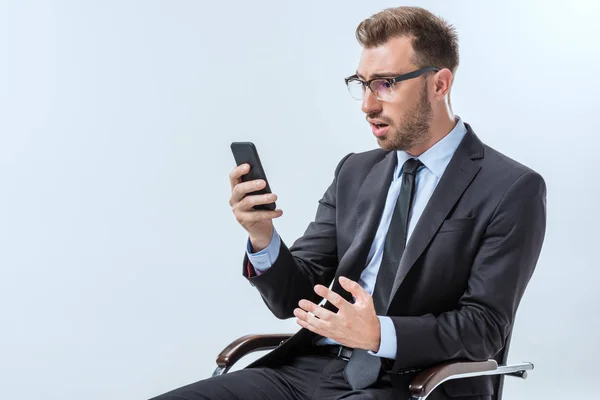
(421, 386)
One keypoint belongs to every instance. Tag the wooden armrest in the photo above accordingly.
(248, 344)
(426, 381)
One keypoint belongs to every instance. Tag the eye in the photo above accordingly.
(381, 85)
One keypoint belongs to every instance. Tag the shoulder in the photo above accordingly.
(500, 168)
(504, 181)
(362, 161)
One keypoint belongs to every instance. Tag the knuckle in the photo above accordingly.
(245, 203)
(245, 188)
(239, 216)
(259, 199)
(257, 216)
(253, 201)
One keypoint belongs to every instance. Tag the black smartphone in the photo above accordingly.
(245, 153)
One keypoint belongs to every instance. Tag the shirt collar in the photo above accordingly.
(438, 156)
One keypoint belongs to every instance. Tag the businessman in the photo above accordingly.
(421, 248)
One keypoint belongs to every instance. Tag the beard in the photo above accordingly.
(413, 130)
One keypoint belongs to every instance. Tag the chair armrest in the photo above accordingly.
(427, 380)
(246, 345)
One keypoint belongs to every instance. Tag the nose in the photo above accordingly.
(370, 103)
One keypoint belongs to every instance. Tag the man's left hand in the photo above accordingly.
(354, 325)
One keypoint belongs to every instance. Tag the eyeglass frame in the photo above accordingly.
(391, 81)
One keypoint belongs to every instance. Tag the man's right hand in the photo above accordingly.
(258, 223)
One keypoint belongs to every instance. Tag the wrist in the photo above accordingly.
(376, 341)
(261, 241)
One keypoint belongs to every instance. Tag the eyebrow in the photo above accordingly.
(381, 75)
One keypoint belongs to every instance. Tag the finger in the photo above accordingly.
(318, 311)
(241, 189)
(235, 176)
(309, 327)
(353, 287)
(331, 296)
(310, 319)
(257, 215)
(248, 202)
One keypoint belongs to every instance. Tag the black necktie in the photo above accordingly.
(395, 240)
(363, 368)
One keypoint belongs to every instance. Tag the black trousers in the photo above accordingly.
(311, 376)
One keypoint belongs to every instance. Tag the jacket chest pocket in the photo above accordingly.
(457, 224)
(451, 251)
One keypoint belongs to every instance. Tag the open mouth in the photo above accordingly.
(379, 130)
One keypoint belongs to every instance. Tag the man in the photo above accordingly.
(427, 243)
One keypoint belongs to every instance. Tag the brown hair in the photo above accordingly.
(434, 40)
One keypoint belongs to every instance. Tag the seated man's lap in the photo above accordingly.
(305, 377)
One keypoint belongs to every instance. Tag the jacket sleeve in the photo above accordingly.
(502, 268)
(311, 260)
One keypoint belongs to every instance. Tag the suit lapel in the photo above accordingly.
(370, 203)
(458, 175)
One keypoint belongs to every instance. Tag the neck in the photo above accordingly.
(439, 128)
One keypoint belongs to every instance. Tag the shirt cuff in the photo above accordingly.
(387, 344)
(264, 259)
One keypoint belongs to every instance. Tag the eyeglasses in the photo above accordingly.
(382, 88)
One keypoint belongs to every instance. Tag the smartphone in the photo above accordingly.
(245, 153)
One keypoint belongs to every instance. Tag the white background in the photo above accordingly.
(120, 259)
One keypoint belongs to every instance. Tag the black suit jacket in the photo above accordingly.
(463, 272)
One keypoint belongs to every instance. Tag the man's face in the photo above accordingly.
(407, 116)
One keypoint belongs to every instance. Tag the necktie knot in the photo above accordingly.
(411, 166)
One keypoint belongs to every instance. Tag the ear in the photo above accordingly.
(442, 83)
